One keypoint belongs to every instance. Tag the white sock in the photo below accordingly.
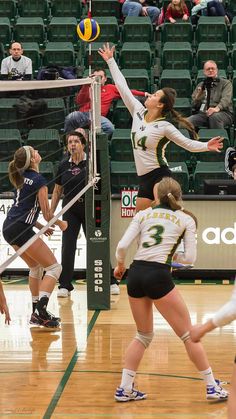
(208, 377)
(35, 298)
(127, 379)
(44, 294)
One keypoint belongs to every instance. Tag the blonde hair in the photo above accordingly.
(168, 192)
(20, 163)
(178, 7)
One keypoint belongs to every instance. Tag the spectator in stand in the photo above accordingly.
(16, 66)
(141, 8)
(208, 8)
(177, 9)
(81, 118)
(212, 100)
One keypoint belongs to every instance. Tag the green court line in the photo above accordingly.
(68, 372)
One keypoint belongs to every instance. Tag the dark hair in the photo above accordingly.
(16, 165)
(168, 100)
(15, 42)
(169, 192)
(100, 69)
(76, 134)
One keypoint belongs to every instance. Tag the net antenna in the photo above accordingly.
(95, 87)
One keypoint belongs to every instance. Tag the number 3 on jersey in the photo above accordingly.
(157, 236)
(140, 143)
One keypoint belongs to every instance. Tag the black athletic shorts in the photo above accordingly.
(16, 232)
(149, 279)
(147, 182)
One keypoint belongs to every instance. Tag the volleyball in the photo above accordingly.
(88, 30)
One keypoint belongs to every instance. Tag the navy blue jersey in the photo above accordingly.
(26, 206)
(71, 177)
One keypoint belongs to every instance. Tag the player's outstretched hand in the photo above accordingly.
(215, 144)
(106, 51)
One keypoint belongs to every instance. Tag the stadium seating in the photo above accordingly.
(123, 175)
(216, 51)
(31, 50)
(180, 173)
(211, 29)
(95, 57)
(8, 116)
(106, 8)
(204, 136)
(121, 146)
(47, 170)
(55, 116)
(183, 105)
(5, 31)
(66, 8)
(207, 170)
(59, 54)
(136, 55)
(175, 153)
(29, 29)
(233, 31)
(8, 9)
(179, 32)
(121, 116)
(137, 29)
(177, 56)
(180, 80)
(2, 51)
(137, 79)
(109, 29)
(47, 142)
(62, 29)
(10, 141)
(34, 8)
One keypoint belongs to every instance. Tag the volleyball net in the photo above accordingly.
(33, 113)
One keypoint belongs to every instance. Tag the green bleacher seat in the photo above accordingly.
(34, 8)
(106, 8)
(10, 141)
(8, 115)
(136, 55)
(5, 185)
(234, 84)
(204, 136)
(29, 29)
(179, 32)
(62, 29)
(66, 8)
(56, 113)
(123, 175)
(137, 29)
(5, 31)
(183, 105)
(177, 56)
(47, 170)
(95, 57)
(216, 51)
(2, 51)
(109, 29)
(47, 142)
(201, 76)
(121, 146)
(175, 153)
(233, 56)
(180, 80)
(207, 170)
(8, 9)
(31, 50)
(232, 6)
(121, 116)
(211, 29)
(233, 31)
(181, 174)
(137, 79)
(59, 54)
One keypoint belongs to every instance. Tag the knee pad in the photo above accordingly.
(54, 270)
(144, 338)
(36, 272)
(185, 337)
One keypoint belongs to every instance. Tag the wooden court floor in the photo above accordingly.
(73, 372)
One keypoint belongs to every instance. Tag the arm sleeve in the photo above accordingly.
(129, 100)
(28, 69)
(226, 98)
(186, 11)
(131, 233)
(173, 134)
(190, 247)
(4, 68)
(168, 13)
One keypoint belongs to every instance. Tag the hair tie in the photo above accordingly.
(169, 195)
(27, 160)
(182, 208)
